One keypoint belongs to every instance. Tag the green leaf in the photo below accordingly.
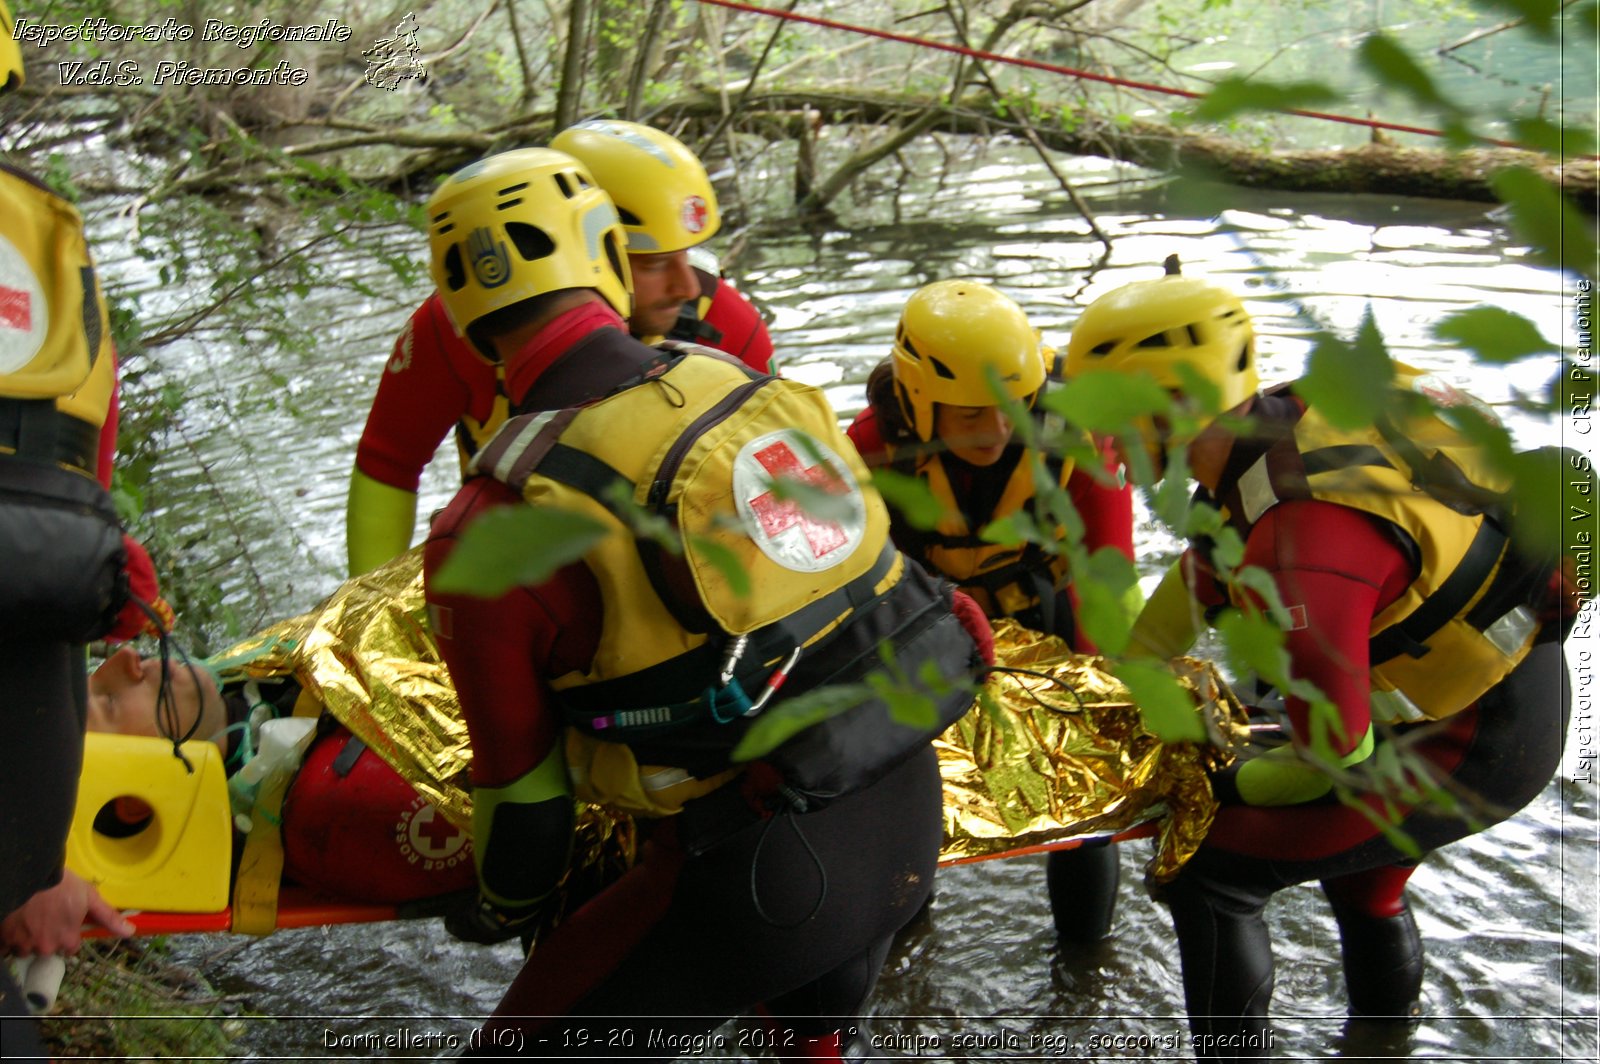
(1102, 586)
(726, 562)
(1349, 383)
(788, 718)
(1007, 531)
(910, 496)
(1254, 645)
(1165, 704)
(1104, 400)
(1236, 95)
(1541, 134)
(1539, 15)
(1554, 497)
(1394, 68)
(514, 546)
(1560, 234)
(1493, 334)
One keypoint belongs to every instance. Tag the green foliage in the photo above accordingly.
(1348, 382)
(1493, 334)
(1166, 706)
(516, 545)
(1540, 15)
(1560, 235)
(910, 497)
(1235, 96)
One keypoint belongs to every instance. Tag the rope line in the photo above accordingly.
(1073, 72)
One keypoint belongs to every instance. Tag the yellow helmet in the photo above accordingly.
(521, 224)
(661, 190)
(1154, 327)
(10, 51)
(951, 334)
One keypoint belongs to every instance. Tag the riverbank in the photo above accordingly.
(130, 1001)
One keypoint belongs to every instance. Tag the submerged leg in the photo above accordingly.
(1083, 891)
(1382, 950)
(1227, 966)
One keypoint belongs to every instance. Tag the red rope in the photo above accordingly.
(1054, 68)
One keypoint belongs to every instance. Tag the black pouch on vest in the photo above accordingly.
(61, 555)
(855, 748)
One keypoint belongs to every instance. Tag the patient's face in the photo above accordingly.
(123, 694)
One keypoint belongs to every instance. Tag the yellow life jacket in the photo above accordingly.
(1463, 624)
(706, 444)
(472, 434)
(1005, 579)
(57, 372)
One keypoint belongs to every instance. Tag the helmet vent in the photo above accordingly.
(506, 205)
(531, 241)
(1244, 357)
(564, 183)
(614, 255)
(941, 369)
(509, 189)
(455, 273)
(1158, 340)
(1103, 348)
(1194, 334)
(628, 217)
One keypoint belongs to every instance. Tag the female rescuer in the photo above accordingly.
(628, 677)
(435, 380)
(1405, 601)
(965, 362)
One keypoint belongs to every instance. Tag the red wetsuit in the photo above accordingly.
(695, 932)
(1335, 569)
(435, 381)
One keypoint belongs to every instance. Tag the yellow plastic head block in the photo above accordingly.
(148, 833)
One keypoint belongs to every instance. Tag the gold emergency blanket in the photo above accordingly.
(1058, 756)
(1061, 752)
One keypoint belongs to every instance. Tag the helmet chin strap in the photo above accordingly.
(168, 718)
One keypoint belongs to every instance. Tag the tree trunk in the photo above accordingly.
(1379, 169)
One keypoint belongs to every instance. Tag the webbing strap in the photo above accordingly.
(255, 888)
(35, 429)
(1411, 635)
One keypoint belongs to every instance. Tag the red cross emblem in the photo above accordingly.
(432, 835)
(16, 308)
(779, 515)
(694, 214)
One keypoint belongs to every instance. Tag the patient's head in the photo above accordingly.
(124, 690)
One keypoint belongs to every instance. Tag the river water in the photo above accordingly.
(1510, 917)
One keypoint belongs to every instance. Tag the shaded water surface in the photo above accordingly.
(1510, 916)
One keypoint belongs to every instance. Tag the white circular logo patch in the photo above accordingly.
(694, 213)
(804, 534)
(426, 837)
(24, 312)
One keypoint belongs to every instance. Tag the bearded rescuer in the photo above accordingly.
(436, 380)
(1410, 602)
(627, 678)
(934, 413)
